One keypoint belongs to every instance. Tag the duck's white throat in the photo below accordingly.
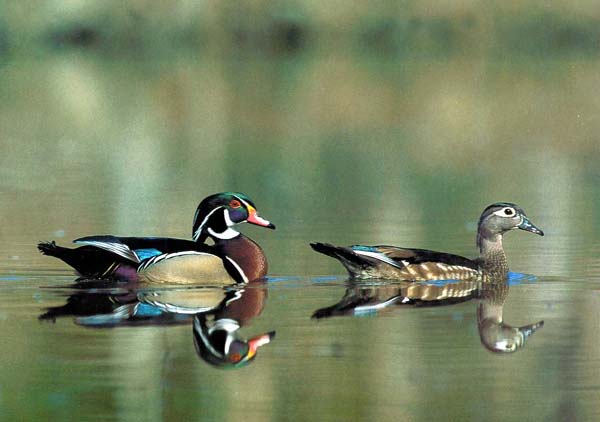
(225, 235)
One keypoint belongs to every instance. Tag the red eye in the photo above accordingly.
(234, 203)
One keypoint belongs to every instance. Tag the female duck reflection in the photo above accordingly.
(217, 314)
(491, 289)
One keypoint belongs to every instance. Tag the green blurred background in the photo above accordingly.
(120, 116)
(345, 121)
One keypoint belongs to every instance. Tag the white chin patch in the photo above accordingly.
(228, 219)
(226, 324)
(227, 234)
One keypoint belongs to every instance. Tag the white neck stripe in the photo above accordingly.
(199, 229)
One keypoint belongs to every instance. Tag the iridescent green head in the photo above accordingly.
(218, 213)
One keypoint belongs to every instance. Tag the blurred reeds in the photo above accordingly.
(383, 28)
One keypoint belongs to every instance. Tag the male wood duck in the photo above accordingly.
(391, 262)
(232, 258)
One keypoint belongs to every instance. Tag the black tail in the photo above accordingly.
(88, 261)
(343, 254)
(356, 265)
(66, 255)
(48, 248)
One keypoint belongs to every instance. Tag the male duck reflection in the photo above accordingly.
(216, 334)
(390, 262)
(217, 313)
(232, 258)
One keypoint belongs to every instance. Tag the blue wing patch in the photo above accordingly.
(364, 248)
(145, 310)
(147, 253)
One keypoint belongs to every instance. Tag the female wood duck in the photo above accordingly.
(232, 258)
(390, 262)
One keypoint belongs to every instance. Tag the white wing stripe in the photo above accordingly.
(377, 306)
(378, 256)
(118, 248)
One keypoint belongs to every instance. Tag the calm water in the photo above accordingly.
(338, 148)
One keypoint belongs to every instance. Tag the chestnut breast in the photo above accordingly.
(246, 254)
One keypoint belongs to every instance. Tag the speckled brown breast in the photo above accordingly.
(494, 263)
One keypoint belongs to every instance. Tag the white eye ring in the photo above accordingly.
(506, 212)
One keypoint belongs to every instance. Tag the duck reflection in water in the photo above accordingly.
(490, 289)
(216, 314)
(216, 334)
(495, 335)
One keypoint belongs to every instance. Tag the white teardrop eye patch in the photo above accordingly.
(506, 212)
